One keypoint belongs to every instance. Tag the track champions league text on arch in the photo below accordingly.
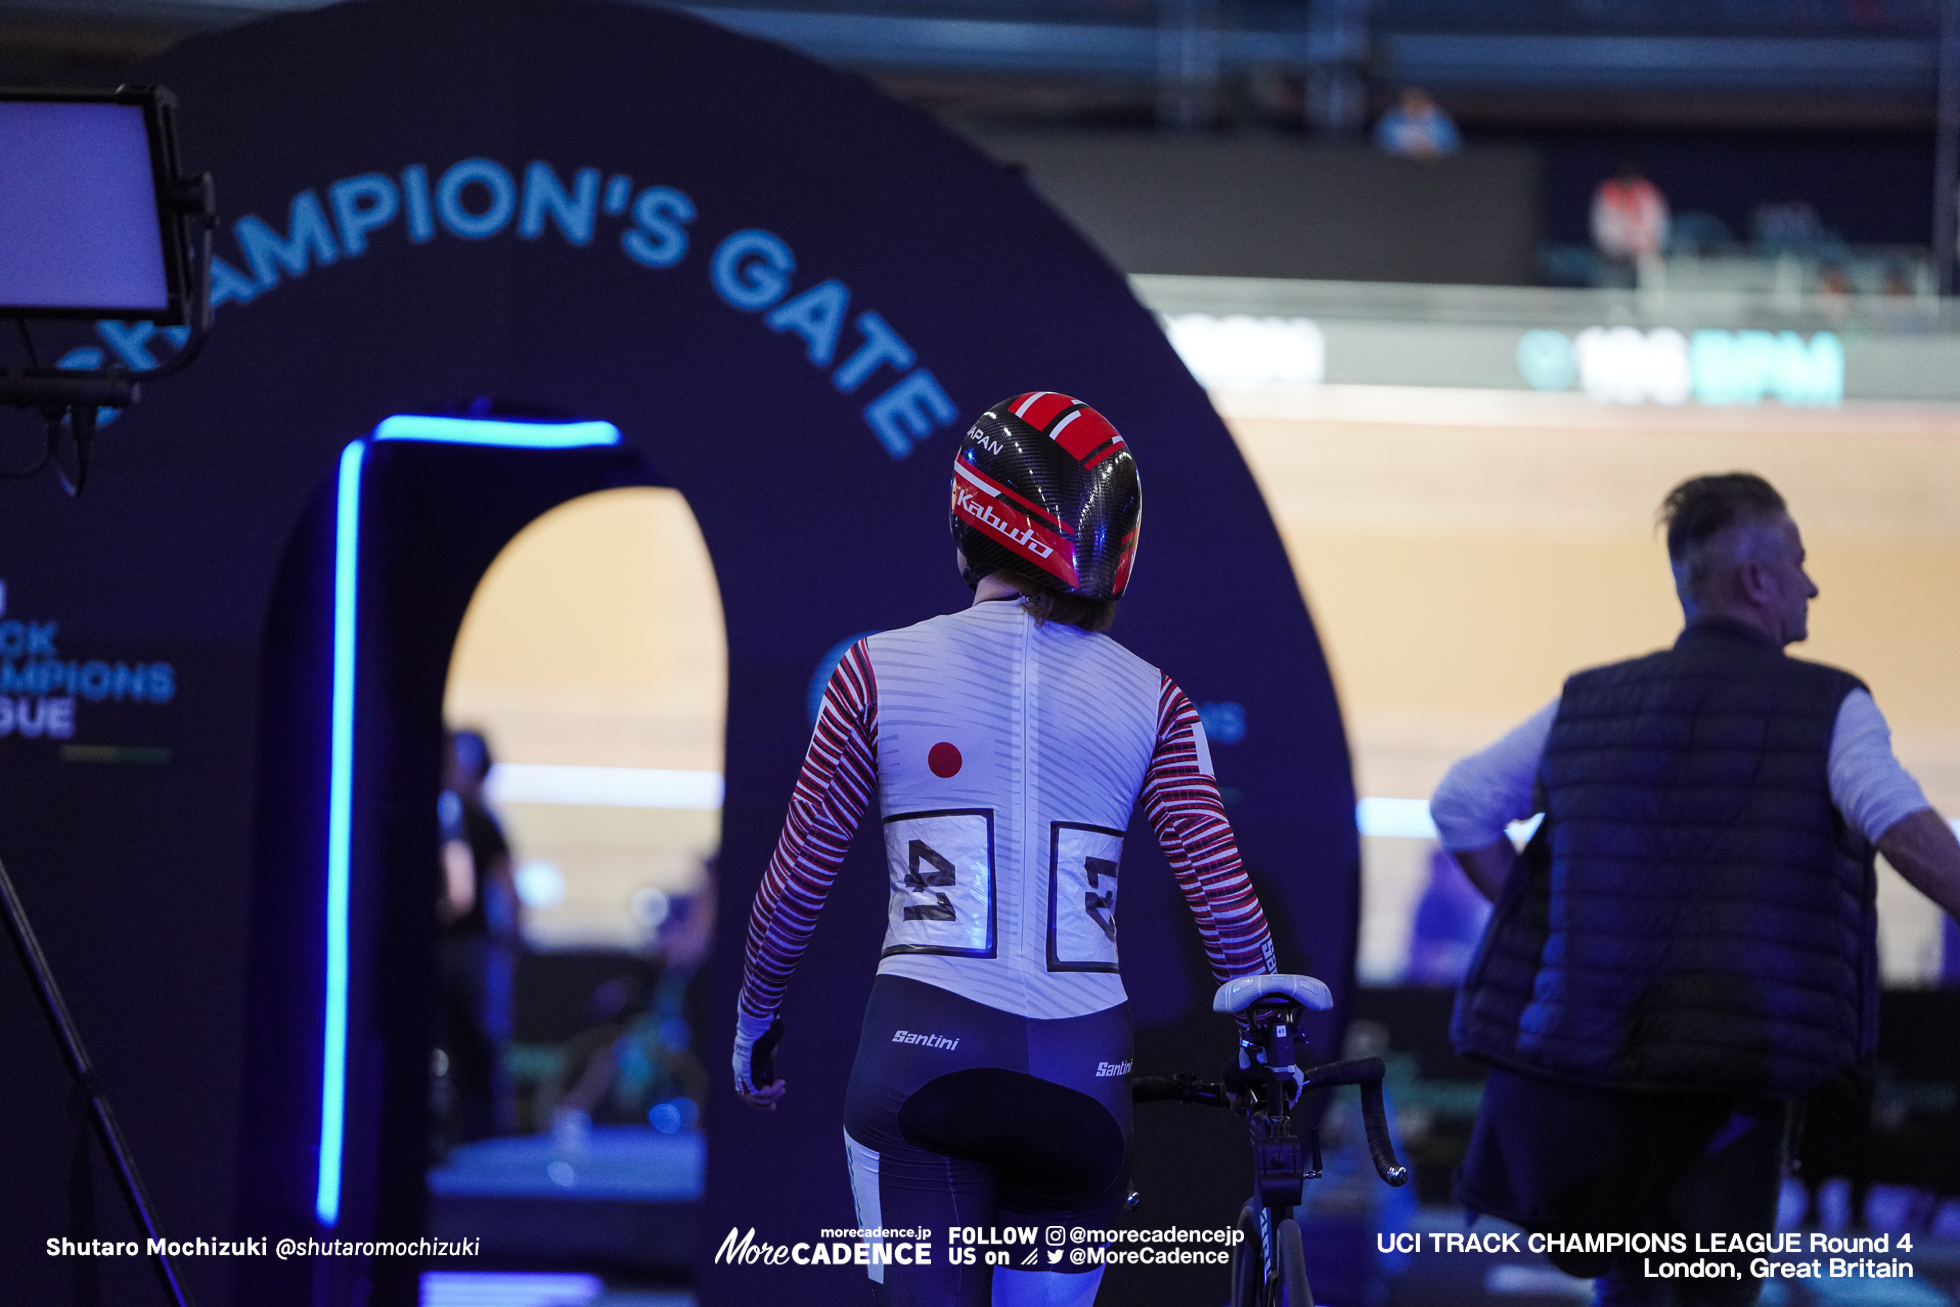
(751, 270)
(1815, 1255)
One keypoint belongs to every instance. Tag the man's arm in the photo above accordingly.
(1879, 796)
(1489, 867)
(1927, 853)
(1484, 793)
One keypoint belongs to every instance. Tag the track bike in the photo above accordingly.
(1269, 1267)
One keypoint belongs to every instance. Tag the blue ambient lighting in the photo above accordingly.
(340, 812)
(482, 431)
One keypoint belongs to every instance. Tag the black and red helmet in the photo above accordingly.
(1045, 488)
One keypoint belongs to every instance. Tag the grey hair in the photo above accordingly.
(1700, 510)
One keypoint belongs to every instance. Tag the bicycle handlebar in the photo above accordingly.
(1380, 1146)
(1364, 1072)
(1182, 1089)
(1328, 1074)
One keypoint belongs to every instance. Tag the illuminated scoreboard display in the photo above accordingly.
(1613, 347)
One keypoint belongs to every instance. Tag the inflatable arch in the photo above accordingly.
(787, 293)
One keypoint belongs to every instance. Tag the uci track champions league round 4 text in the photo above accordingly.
(751, 270)
(1791, 1255)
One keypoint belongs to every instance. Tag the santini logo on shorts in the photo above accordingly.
(1112, 1069)
(930, 1041)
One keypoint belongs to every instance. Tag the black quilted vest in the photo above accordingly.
(1693, 914)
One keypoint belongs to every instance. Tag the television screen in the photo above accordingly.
(79, 227)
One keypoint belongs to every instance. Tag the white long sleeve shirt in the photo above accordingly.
(1485, 792)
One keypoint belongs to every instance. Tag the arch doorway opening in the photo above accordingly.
(585, 706)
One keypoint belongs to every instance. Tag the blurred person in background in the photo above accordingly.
(1688, 945)
(481, 938)
(1629, 223)
(1417, 128)
(637, 1064)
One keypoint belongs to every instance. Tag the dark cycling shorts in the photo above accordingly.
(959, 1114)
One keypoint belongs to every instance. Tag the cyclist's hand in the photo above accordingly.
(754, 1062)
(765, 1098)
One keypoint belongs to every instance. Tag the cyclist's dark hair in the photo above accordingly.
(1700, 509)
(1071, 610)
(1045, 605)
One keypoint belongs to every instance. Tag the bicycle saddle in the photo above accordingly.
(1238, 995)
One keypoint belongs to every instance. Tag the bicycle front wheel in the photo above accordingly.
(1291, 1267)
(1249, 1261)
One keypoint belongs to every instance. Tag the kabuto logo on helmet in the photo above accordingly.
(1013, 529)
(1044, 487)
(1017, 530)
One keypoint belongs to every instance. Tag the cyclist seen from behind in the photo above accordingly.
(1007, 745)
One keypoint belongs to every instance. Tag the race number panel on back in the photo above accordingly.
(1082, 896)
(942, 883)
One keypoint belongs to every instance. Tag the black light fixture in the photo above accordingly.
(97, 221)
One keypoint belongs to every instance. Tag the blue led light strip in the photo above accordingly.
(485, 431)
(340, 781)
(340, 815)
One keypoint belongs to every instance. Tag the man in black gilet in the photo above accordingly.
(1688, 945)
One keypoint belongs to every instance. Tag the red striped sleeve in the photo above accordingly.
(840, 774)
(1181, 799)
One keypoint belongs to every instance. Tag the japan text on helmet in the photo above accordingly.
(1044, 488)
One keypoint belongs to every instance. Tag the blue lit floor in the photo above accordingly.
(620, 1199)
(617, 1162)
